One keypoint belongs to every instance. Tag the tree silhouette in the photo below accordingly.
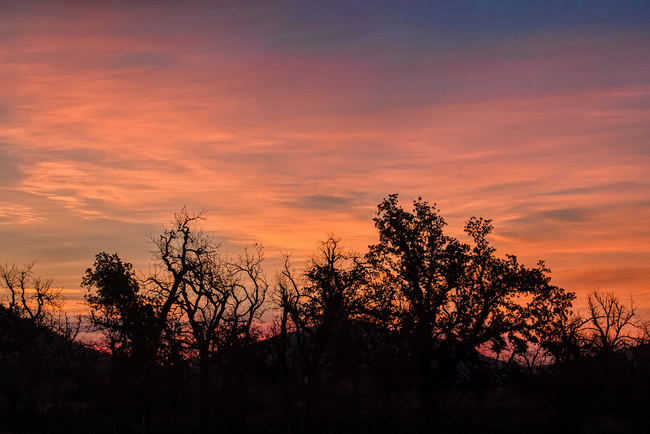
(129, 320)
(455, 297)
(117, 306)
(318, 308)
(335, 281)
(28, 340)
(30, 296)
(611, 325)
(220, 299)
(564, 339)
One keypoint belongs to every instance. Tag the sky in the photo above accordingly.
(287, 121)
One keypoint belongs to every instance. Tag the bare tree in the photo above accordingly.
(220, 298)
(317, 306)
(40, 339)
(288, 296)
(247, 281)
(30, 296)
(564, 338)
(611, 325)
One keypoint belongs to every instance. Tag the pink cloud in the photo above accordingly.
(115, 114)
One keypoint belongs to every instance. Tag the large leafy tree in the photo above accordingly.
(453, 298)
(117, 306)
(129, 319)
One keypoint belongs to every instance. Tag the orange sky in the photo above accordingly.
(287, 122)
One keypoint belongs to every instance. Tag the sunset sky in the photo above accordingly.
(290, 120)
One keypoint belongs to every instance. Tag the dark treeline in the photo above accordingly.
(422, 333)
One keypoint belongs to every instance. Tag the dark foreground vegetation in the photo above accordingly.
(423, 333)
